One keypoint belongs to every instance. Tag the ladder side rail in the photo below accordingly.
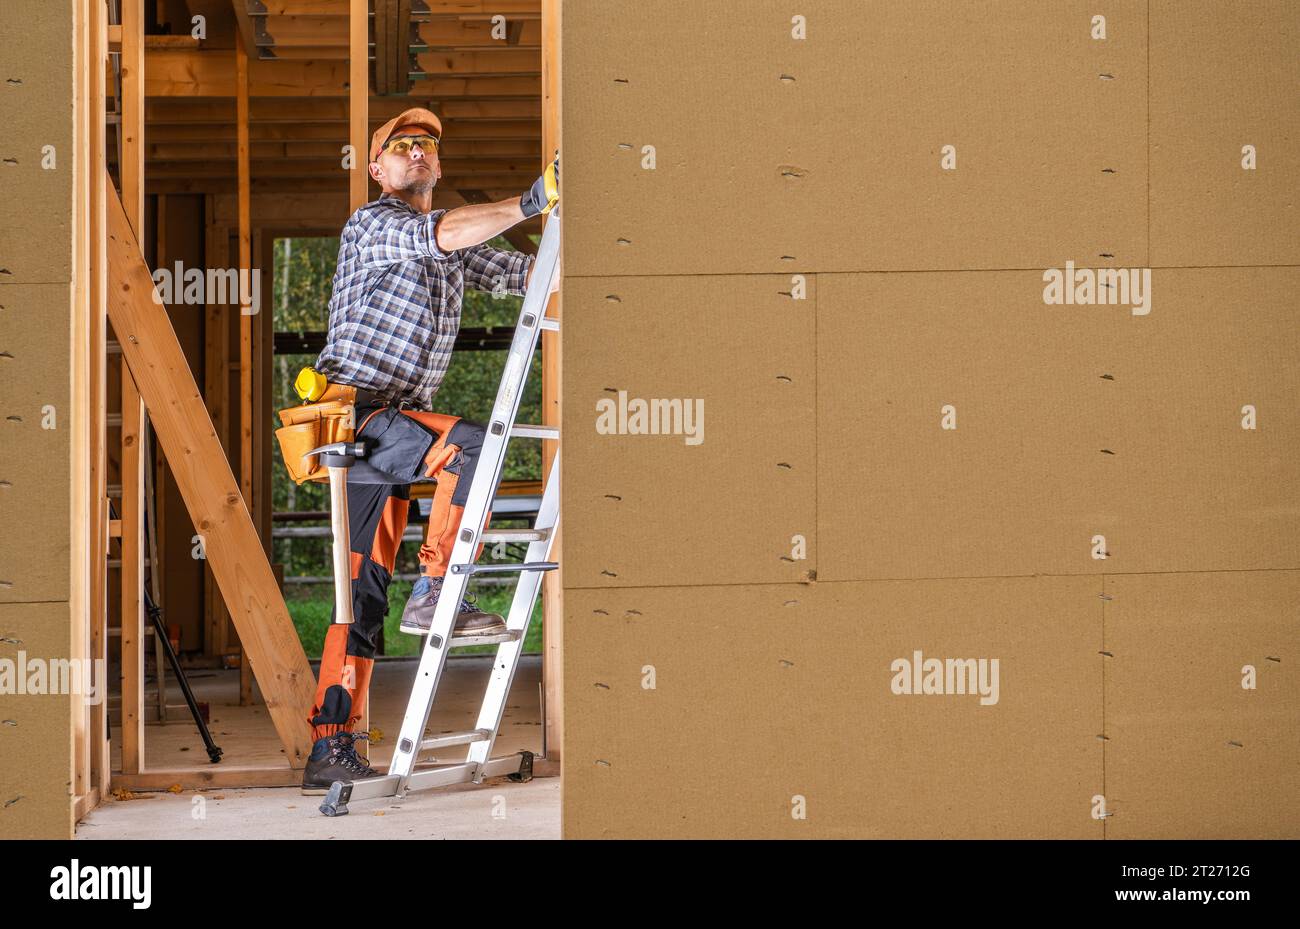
(521, 614)
(487, 475)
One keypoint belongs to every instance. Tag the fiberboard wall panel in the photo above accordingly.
(1224, 76)
(1080, 428)
(715, 711)
(825, 154)
(1191, 750)
(38, 165)
(659, 509)
(967, 429)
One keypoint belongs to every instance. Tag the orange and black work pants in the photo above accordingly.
(402, 447)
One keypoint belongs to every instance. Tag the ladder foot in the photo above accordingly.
(525, 772)
(336, 801)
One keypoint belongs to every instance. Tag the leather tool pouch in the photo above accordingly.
(332, 418)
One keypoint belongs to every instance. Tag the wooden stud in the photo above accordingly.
(358, 103)
(552, 586)
(245, 268)
(100, 760)
(216, 374)
(133, 414)
(79, 646)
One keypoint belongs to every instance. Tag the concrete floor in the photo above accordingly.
(495, 809)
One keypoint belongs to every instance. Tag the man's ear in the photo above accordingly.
(376, 172)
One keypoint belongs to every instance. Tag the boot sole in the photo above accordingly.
(486, 630)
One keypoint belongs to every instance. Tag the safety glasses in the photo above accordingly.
(403, 144)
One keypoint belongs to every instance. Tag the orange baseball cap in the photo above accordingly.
(416, 116)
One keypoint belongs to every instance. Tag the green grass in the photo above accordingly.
(310, 606)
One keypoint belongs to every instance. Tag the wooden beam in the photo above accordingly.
(295, 108)
(246, 27)
(246, 415)
(552, 586)
(464, 154)
(383, 46)
(491, 172)
(245, 268)
(102, 767)
(132, 577)
(133, 415)
(83, 518)
(451, 9)
(224, 776)
(209, 489)
(216, 392)
(515, 137)
(208, 73)
(358, 104)
(359, 139)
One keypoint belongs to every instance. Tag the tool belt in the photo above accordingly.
(332, 418)
(329, 415)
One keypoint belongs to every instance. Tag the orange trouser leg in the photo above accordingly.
(377, 514)
(451, 461)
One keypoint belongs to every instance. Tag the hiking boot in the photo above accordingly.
(418, 615)
(335, 758)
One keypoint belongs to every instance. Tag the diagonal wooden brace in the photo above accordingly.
(194, 454)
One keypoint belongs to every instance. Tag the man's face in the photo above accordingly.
(415, 171)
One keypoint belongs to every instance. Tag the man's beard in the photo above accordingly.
(419, 185)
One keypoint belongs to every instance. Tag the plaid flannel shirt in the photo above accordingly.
(395, 307)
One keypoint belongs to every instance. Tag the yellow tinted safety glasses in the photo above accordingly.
(403, 144)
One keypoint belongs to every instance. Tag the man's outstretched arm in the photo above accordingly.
(475, 223)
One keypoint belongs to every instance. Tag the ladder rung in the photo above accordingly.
(461, 641)
(503, 568)
(550, 324)
(525, 431)
(515, 535)
(454, 738)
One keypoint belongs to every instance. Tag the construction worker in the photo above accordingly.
(393, 318)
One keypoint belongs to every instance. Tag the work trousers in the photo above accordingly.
(403, 447)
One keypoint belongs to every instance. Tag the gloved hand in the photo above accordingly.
(545, 192)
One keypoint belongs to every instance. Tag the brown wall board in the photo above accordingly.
(766, 692)
(34, 395)
(36, 106)
(656, 509)
(1010, 490)
(1071, 422)
(1224, 76)
(1190, 752)
(823, 154)
(34, 727)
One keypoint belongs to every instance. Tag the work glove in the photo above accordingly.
(544, 193)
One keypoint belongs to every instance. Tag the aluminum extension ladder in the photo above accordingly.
(402, 775)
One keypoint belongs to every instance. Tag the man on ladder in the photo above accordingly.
(394, 314)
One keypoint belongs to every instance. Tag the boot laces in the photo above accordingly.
(348, 759)
(467, 605)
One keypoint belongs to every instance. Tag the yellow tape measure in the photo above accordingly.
(310, 385)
